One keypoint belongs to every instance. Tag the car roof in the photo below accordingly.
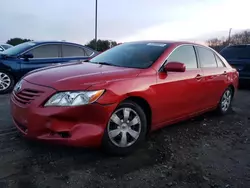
(237, 45)
(165, 41)
(54, 41)
(60, 42)
(5, 44)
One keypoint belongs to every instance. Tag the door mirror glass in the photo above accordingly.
(175, 67)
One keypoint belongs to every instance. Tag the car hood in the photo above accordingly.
(78, 75)
(1, 55)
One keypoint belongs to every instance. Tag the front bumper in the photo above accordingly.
(81, 126)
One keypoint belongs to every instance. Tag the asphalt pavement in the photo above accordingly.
(207, 151)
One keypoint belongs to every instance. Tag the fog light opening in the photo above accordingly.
(64, 134)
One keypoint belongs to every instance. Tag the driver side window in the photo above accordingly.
(1, 49)
(184, 54)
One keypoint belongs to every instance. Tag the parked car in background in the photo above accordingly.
(122, 94)
(4, 47)
(238, 56)
(15, 62)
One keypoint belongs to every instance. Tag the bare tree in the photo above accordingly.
(238, 38)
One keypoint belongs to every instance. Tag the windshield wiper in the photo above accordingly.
(102, 63)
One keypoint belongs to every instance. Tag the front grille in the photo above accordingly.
(26, 96)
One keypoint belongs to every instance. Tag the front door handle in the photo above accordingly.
(224, 73)
(198, 77)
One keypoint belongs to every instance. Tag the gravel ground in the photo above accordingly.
(207, 151)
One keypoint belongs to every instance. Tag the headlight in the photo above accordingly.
(18, 86)
(74, 98)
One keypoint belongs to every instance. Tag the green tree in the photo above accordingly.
(102, 45)
(16, 41)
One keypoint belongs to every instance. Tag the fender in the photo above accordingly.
(12, 66)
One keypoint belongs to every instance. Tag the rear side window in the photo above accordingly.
(207, 58)
(72, 51)
(46, 51)
(184, 54)
(219, 61)
(88, 52)
(236, 52)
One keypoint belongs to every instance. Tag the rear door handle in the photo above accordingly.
(198, 77)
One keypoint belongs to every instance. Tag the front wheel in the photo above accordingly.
(7, 82)
(225, 101)
(126, 129)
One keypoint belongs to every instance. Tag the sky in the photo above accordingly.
(122, 20)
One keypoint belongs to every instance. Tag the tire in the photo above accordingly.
(7, 82)
(225, 102)
(134, 129)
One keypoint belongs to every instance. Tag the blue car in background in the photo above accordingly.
(238, 56)
(16, 61)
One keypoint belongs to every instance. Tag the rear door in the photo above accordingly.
(238, 56)
(44, 55)
(75, 53)
(180, 93)
(215, 75)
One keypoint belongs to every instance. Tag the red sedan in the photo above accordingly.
(122, 94)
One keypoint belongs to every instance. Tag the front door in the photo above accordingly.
(74, 53)
(45, 55)
(180, 93)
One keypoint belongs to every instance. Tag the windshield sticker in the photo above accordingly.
(157, 44)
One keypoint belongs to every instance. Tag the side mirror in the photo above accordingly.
(175, 67)
(27, 56)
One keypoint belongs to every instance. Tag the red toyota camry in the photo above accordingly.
(122, 94)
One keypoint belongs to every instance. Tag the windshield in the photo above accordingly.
(236, 52)
(15, 50)
(132, 55)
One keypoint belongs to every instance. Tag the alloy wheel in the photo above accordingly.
(124, 127)
(226, 100)
(5, 81)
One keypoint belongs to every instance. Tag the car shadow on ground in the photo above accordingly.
(156, 150)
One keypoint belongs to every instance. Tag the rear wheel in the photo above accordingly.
(7, 82)
(225, 102)
(126, 129)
